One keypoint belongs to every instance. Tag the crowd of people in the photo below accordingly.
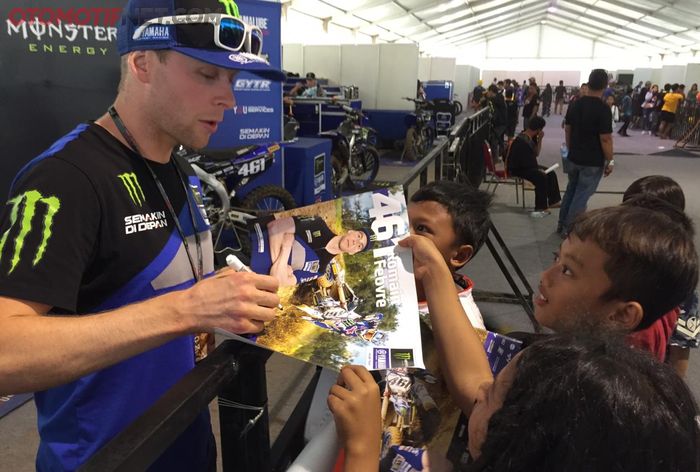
(100, 322)
(592, 115)
(648, 108)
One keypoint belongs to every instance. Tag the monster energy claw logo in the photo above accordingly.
(30, 199)
(231, 8)
(133, 187)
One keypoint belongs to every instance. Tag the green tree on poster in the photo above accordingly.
(327, 349)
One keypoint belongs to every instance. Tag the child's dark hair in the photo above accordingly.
(468, 207)
(592, 404)
(658, 186)
(650, 249)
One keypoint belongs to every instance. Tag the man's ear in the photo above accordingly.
(139, 65)
(461, 256)
(627, 315)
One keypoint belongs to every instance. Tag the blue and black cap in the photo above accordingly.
(194, 33)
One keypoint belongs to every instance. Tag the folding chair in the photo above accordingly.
(498, 174)
(494, 174)
(518, 181)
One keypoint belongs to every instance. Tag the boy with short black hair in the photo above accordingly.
(620, 269)
(455, 217)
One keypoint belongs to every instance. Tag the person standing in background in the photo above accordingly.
(530, 104)
(559, 93)
(588, 133)
(649, 109)
(547, 100)
(668, 111)
(626, 112)
(477, 93)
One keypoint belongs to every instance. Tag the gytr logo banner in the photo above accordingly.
(24, 208)
(131, 182)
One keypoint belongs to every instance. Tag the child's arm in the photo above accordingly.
(354, 402)
(460, 350)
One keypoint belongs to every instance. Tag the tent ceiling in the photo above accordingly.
(659, 26)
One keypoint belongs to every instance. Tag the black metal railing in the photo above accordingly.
(235, 372)
(686, 126)
(419, 174)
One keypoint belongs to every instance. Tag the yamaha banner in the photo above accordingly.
(257, 116)
(60, 67)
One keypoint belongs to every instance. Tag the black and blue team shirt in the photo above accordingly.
(308, 257)
(86, 230)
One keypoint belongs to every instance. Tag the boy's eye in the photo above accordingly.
(565, 270)
(556, 256)
(208, 75)
(421, 228)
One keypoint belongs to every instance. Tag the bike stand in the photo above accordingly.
(517, 297)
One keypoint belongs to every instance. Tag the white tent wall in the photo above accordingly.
(672, 74)
(644, 74)
(424, 68)
(466, 78)
(383, 72)
(443, 68)
(360, 66)
(692, 75)
(324, 61)
(293, 58)
(398, 73)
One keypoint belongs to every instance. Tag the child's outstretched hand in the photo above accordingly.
(427, 260)
(355, 404)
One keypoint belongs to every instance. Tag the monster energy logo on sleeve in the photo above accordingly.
(133, 187)
(31, 199)
(231, 7)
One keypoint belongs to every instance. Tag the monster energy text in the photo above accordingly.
(26, 204)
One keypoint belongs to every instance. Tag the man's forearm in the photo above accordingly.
(606, 143)
(43, 351)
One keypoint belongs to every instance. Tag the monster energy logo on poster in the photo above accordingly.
(231, 7)
(30, 199)
(133, 187)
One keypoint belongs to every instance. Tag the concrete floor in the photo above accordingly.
(530, 240)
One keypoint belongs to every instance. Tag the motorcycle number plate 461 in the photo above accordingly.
(252, 167)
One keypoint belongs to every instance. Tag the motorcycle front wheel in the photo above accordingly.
(269, 199)
(262, 201)
(364, 171)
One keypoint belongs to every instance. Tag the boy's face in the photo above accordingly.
(571, 289)
(431, 219)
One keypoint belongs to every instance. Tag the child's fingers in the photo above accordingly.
(335, 403)
(408, 241)
(349, 378)
(361, 372)
(340, 392)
